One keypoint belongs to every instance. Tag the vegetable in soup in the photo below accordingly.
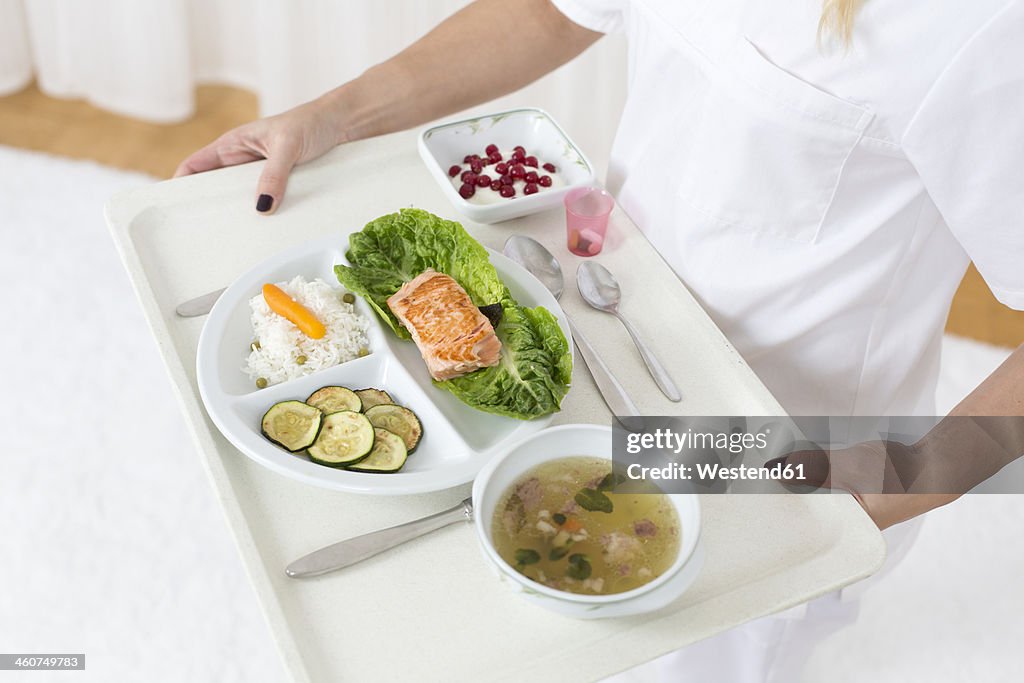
(561, 525)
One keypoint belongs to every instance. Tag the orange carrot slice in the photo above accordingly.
(291, 310)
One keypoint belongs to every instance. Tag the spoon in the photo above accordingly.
(600, 289)
(542, 264)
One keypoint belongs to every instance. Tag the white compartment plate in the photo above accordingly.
(457, 441)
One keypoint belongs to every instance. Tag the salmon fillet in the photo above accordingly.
(453, 336)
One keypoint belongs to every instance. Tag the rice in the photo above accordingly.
(281, 342)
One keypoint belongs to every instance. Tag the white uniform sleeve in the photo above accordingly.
(603, 16)
(967, 143)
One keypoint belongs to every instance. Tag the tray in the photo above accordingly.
(182, 238)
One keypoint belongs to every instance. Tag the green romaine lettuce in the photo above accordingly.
(535, 367)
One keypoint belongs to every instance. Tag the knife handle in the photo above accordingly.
(611, 391)
(353, 550)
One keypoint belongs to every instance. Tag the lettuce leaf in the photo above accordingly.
(394, 249)
(535, 367)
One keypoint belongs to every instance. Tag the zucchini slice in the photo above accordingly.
(292, 424)
(397, 420)
(345, 439)
(334, 399)
(388, 454)
(373, 397)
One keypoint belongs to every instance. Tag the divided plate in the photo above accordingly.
(457, 440)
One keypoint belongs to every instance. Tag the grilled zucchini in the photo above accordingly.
(388, 454)
(373, 397)
(397, 420)
(292, 424)
(345, 439)
(335, 399)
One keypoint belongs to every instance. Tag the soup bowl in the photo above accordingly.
(593, 441)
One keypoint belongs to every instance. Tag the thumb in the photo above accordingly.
(274, 179)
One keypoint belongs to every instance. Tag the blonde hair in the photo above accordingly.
(837, 17)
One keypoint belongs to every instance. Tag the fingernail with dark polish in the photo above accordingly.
(264, 203)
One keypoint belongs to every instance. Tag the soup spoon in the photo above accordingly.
(542, 264)
(600, 289)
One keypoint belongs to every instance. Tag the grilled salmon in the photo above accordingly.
(453, 336)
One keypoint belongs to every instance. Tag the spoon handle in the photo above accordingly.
(611, 391)
(658, 371)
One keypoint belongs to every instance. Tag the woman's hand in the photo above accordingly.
(416, 86)
(291, 138)
(880, 475)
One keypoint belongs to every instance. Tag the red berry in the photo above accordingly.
(544, 181)
(520, 149)
(507, 191)
(454, 171)
(549, 167)
(494, 157)
(506, 179)
(530, 177)
(530, 188)
(467, 190)
(501, 169)
(483, 180)
(518, 157)
(468, 158)
(468, 177)
(518, 171)
(491, 149)
(531, 161)
(496, 185)
(476, 166)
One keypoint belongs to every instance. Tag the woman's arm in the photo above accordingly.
(894, 482)
(488, 49)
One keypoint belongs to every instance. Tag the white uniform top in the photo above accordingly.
(821, 204)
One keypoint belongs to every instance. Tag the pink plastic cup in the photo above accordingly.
(586, 219)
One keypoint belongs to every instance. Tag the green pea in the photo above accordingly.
(364, 352)
(349, 298)
(300, 360)
(261, 382)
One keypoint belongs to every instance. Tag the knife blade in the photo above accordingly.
(356, 549)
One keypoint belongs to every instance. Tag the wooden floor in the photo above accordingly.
(32, 120)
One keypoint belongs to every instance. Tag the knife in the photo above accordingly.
(350, 551)
(201, 305)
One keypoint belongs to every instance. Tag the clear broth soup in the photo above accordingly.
(560, 525)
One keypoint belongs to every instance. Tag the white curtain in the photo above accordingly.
(142, 58)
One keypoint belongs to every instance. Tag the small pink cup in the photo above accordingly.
(586, 219)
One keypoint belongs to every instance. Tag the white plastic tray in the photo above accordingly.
(431, 610)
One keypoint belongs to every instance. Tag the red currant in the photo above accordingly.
(549, 167)
(507, 191)
(530, 177)
(531, 161)
(483, 180)
(496, 185)
(530, 188)
(468, 177)
(518, 171)
(467, 190)
(491, 149)
(454, 171)
(544, 181)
